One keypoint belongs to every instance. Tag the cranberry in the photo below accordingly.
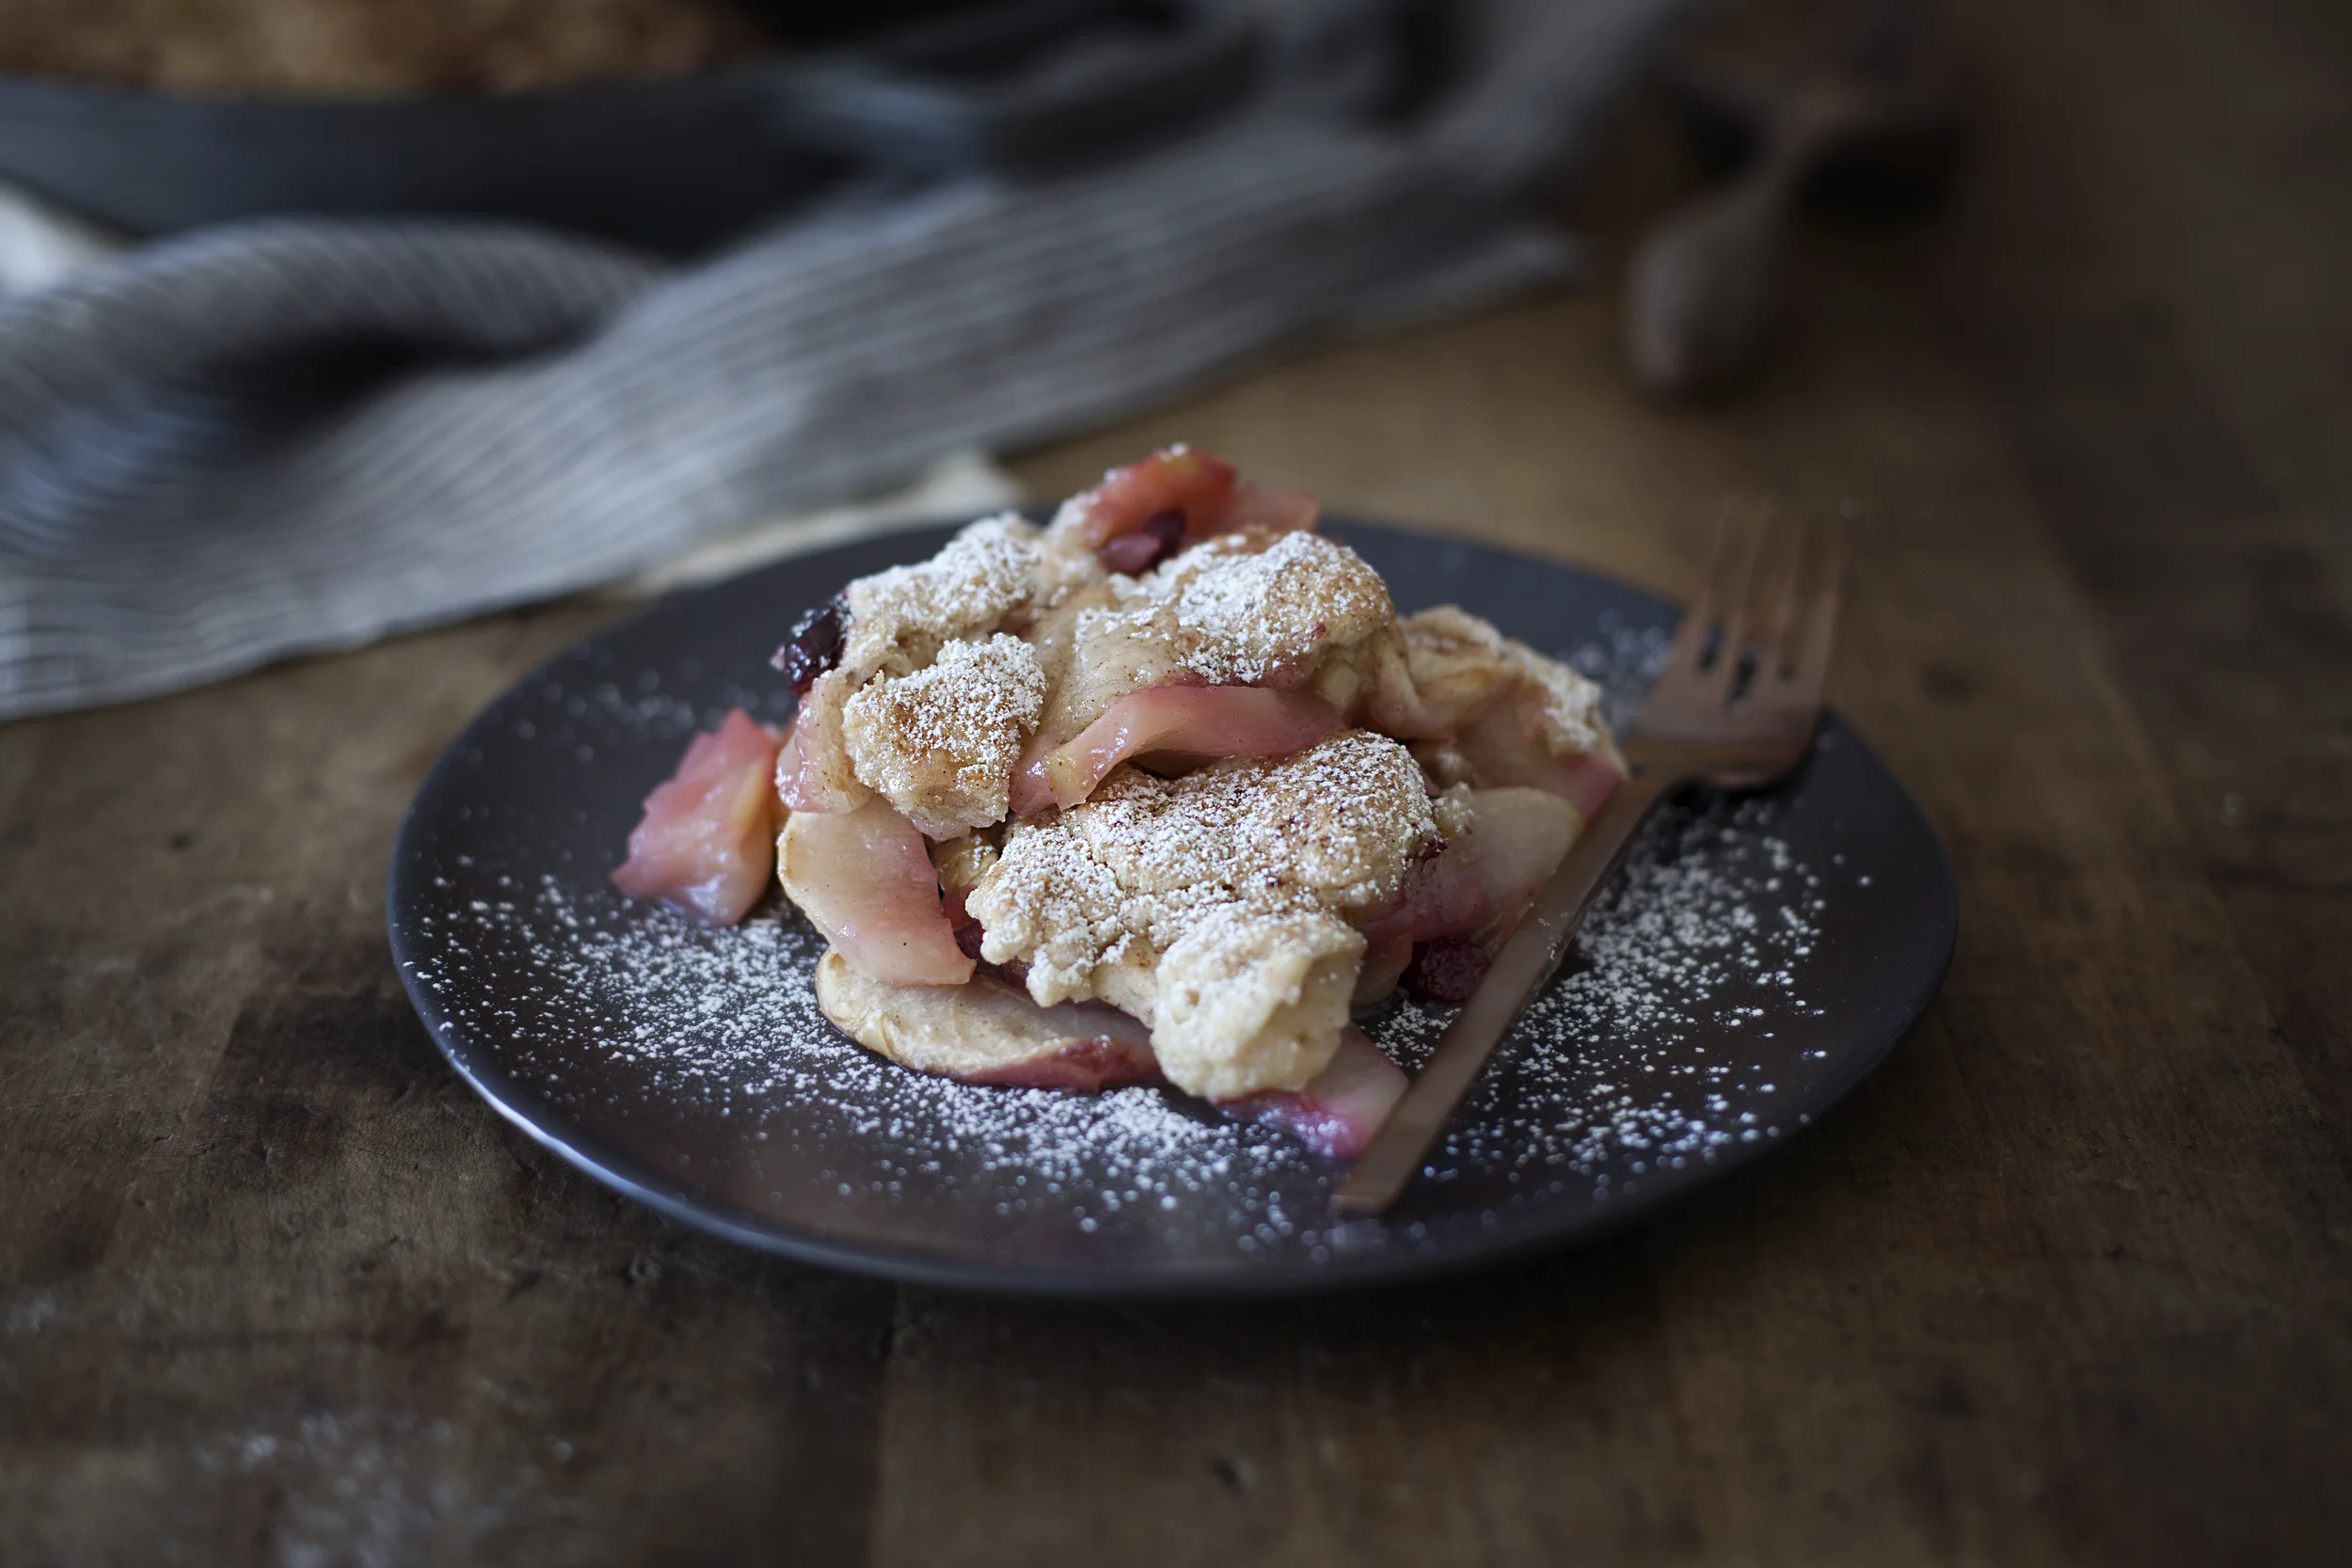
(1449, 969)
(968, 939)
(815, 647)
(1161, 536)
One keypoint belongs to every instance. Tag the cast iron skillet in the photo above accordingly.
(677, 164)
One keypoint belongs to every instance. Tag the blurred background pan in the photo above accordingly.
(675, 163)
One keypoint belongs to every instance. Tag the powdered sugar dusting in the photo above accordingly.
(1631, 1064)
(941, 743)
(1235, 614)
(725, 1022)
(899, 616)
(1246, 612)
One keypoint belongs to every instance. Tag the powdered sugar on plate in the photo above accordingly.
(1630, 1062)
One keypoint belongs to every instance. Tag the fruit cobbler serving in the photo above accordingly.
(1163, 791)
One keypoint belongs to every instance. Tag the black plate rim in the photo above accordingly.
(681, 1203)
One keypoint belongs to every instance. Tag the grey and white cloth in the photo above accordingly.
(286, 436)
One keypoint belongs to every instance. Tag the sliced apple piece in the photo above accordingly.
(988, 1032)
(1193, 484)
(812, 768)
(1197, 724)
(1256, 509)
(705, 844)
(1506, 745)
(1341, 1107)
(865, 878)
(1459, 906)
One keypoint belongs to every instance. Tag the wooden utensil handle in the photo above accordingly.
(1528, 958)
(1701, 299)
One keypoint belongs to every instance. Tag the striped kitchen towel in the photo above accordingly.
(293, 435)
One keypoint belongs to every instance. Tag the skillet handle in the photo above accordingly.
(1136, 69)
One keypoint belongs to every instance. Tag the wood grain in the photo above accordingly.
(2066, 1282)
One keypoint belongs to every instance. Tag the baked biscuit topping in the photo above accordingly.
(941, 743)
(1240, 610)
(1461, 665)
(1216, 907)
(899, 619)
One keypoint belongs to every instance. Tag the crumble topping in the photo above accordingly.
(1461, 665)
(900, 618)
(1234, 614)
(941, 743)
(1454, 810)
(1215, 906)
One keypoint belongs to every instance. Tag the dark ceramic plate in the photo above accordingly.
(1758, 958)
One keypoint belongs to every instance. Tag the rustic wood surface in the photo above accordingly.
(2069, 1281)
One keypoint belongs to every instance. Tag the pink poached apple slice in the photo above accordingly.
(1256, 509)
(1193, 484)
(1266, 514)
(797, 782)
(1504, 746)
(706, 841)
(1198, 724)
(865, 878)
(1141, 514)
(813, 771)
(1459, 906)
(1341, 1107)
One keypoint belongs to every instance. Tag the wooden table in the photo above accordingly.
(2071, 1280)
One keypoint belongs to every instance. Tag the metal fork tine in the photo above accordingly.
(1821, 619)
(1725, 670)
(1691, 636)
(1776, 656)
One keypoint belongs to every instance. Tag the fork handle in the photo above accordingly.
(1528, 959)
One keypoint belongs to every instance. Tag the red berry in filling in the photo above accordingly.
(815, 645)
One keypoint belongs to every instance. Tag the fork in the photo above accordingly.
(1724, 714)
